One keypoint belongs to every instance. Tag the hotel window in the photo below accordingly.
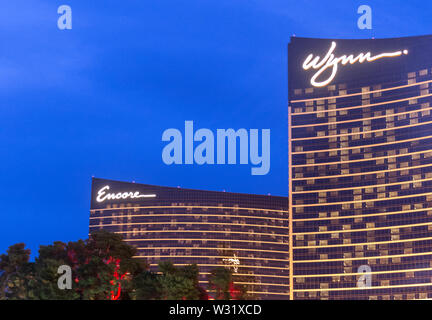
(423, 72)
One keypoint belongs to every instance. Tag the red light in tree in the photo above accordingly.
(234, 292)
(115, 294)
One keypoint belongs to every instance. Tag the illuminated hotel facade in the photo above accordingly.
(360, 168)
(246, 233)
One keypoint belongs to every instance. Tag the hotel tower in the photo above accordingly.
(244, 232)
(360, 168)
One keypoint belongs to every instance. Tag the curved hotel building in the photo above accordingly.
(360, 189)
(247, 233)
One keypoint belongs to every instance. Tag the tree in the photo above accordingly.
(221, 281)
(146, 286)
(108, 268)
(44, 286)
(16, 272)
(102, 268)
(179, 283)
(171, 283)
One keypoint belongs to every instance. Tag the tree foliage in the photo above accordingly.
(179, 283)
(16, 273)
(221, 282)
(107, 269)
(171, 283)
(103, 267)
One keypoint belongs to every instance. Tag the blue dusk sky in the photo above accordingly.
(95, 100)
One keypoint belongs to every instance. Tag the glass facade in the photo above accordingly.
(247, 233)
(360, 169)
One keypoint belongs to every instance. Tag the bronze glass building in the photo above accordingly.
(247, 233)
(360, 166)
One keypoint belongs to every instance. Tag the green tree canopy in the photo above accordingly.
(102, 268)
(16, 272)
(221, 282)
(179, 283)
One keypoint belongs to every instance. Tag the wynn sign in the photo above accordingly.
(330, 61)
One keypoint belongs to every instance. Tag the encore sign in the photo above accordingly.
(104, 195)
(330, 61)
